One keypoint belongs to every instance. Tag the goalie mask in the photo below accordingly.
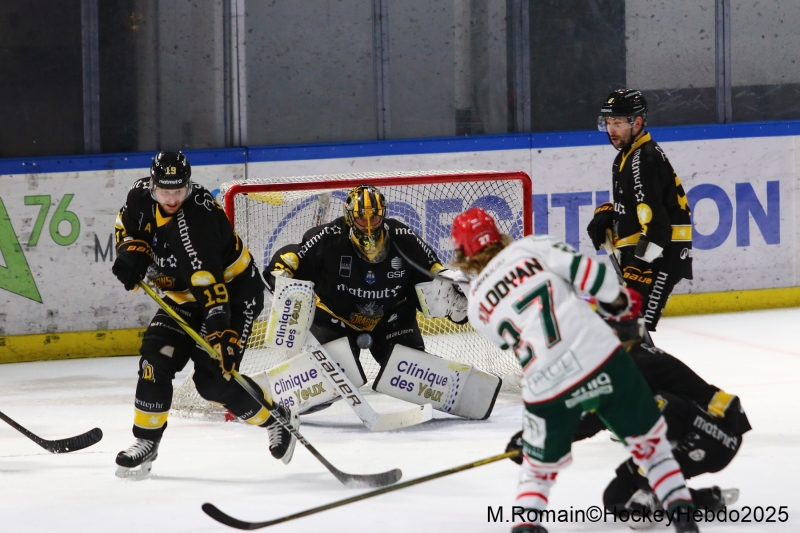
(365, 212)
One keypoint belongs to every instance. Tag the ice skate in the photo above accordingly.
(643, 503)
(281, 442)
(714, 498)
(529, 529)
(684, 521)
(137, 461)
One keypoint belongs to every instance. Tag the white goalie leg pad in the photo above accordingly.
(340, 352)
(293, 305)
(299, 384)
(455, 388)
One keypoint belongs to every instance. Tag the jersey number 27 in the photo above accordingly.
(542, 295)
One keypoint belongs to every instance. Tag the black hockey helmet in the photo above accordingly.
(364, 213)
(623, 103)
(170, 170)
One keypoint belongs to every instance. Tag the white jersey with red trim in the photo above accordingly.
(527, 300)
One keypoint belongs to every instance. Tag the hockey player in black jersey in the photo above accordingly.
(650, 217)
(704, 425)
(174, 231)
(366, 289)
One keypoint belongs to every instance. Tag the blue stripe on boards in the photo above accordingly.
(483, 143)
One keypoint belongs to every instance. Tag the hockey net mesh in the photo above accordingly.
(269, 213)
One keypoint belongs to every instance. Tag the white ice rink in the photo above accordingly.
(755, 355)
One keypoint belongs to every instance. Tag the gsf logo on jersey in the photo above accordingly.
(395, 273)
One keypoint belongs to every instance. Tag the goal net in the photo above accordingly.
(269, 213)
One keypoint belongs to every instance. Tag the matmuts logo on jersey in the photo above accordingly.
(599, 385)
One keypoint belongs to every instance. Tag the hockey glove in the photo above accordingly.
(229, 348)
(515, 444)
(627, 306)
(130, 266)
(602, 221)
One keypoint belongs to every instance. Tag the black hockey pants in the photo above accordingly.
(166, 349)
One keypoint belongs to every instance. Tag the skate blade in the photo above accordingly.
(730, 496)
(136, 473)
(287, 457)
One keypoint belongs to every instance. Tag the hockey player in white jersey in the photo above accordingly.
(525, 297)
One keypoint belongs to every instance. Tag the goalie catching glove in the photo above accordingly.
(439, 298)
(130, 266)
(228, 346)
(627, 306)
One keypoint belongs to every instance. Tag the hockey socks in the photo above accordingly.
(653, 454)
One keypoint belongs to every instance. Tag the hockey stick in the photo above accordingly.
(464, 285)
(348, 480)
(373, 420)
(70, 444)
(609, 248)
(228, 520)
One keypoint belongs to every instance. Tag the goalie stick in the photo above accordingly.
(223, 518)
(609, 248)
(464, 285)
(373, 420)
(70, 444)
(348, 480)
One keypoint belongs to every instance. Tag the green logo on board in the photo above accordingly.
(15, 275)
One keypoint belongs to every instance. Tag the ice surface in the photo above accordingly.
(755, 355)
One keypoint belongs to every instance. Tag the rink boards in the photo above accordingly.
(59, 298)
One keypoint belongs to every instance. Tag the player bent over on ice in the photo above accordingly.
(524, 296)
(367, 291)
(176, 229)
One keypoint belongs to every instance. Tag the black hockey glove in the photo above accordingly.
(515, 444)
(229, 348)
(130, 266)
(602, 221)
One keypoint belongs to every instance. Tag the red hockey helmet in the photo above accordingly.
(473, 230)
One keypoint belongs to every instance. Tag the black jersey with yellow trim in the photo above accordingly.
(196, 252)
(649, 200)
(359, 293)
(667, 376)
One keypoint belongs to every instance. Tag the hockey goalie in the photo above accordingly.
(366, 296)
